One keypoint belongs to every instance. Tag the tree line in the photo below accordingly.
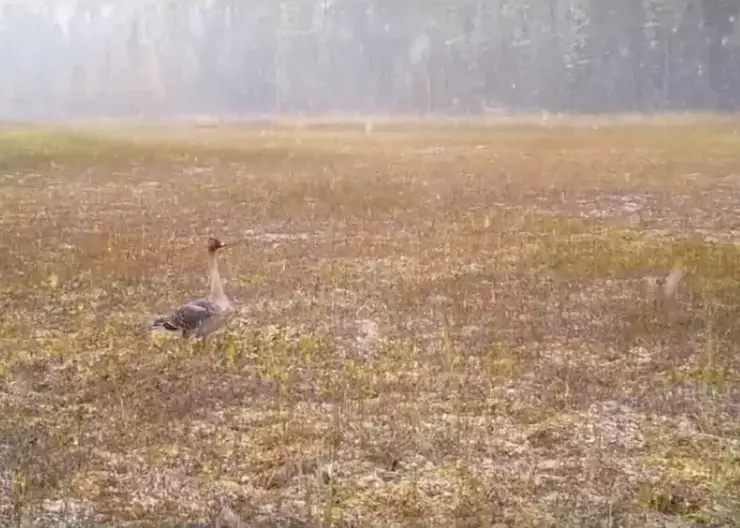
(159, 57)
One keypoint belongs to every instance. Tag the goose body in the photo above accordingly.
(202, 317)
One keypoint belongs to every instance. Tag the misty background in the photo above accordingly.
(246, 57)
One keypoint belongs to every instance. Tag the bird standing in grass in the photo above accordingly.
(665, 293)
(202, 317)
(669, 285)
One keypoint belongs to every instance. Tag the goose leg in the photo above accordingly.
(203, 343)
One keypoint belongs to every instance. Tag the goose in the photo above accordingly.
(670, 283)
(667, 287)
(202, 317)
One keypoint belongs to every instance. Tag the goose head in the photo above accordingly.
(214, 244)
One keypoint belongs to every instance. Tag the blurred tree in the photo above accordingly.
(252, 56)
(720, 17)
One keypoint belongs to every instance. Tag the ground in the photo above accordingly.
(441, 320)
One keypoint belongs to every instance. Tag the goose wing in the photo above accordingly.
(190, 316)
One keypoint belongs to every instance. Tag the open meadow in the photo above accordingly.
(440, 323)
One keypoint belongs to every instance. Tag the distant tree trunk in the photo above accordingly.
(637, 51)
(719, 18)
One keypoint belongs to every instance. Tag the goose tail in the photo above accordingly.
(164, 322)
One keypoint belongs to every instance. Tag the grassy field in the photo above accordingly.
(440, 323)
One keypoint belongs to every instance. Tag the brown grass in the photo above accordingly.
(437, 325)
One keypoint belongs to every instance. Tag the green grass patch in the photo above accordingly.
(584, 249)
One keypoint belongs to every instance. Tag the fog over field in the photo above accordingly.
(152, 58)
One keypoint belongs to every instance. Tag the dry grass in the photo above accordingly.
(436, 325)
